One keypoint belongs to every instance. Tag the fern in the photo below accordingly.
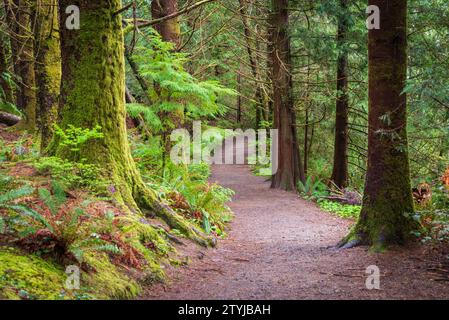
(16, 194)
(311, 188)
(151, 119)
(175, 89)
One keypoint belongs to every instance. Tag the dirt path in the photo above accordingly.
(282, 247)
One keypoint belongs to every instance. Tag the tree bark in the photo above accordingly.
(93, 94)
(255, 70)
(340, 174)
(170, 29)
(47, 67)
(239, 98)
(388, 197)
(290, 169)
(7, 94)
(140, 79)
(22, 47)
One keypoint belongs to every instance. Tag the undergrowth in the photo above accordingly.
(61, 216)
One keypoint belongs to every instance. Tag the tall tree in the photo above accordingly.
(47, 66)
(290, 169)
(7, 93)
(170, 29)
(93, 94)
(22, 46)
(255, 68)
(388, 197)
(340, 169)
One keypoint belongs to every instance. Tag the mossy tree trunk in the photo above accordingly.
(340, 174)
(290, 169)
(388, 196)
(47, 66)
(93, 94)
(19, 22)
(170, 30)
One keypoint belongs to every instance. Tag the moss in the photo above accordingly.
(385, 218)
(25, 276)
(93, 94)
(107, 281)
(28, 276)
(48, 68)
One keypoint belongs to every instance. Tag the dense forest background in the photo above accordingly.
(87, 109)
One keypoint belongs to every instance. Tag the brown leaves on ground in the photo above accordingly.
(128, 256)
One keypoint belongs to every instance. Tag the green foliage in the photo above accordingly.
(312, 189)
(152, 120)
(74, 137)
(62, 226)
(440, 198)
(187, 190)
(5, 105)
(175, 91)
(342, 210)
(72, 174)
(10, 200)
(434, 225)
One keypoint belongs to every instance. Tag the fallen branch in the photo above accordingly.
(9, 119)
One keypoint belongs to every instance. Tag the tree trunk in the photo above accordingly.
(239, 98)
(47, 67)
(340, 170)
(19, 22)
(142, 82)
(170, 29)
(7, 95)
(388, 196)
(93, 94)
(290, 169)
(255, 70)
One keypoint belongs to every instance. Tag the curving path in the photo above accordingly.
(282, 247)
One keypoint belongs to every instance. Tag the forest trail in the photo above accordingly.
(282, 247)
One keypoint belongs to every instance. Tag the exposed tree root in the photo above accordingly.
(173, 220)
(352, 240)
(357, 238)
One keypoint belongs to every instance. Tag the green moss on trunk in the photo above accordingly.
(47, 67)
(388, 197)
(93, 94)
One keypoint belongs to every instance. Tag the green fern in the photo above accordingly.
(10, 196)
(311, 188)
(175, 90)
(151, 119)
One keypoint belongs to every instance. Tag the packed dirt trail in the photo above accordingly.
(282, 247)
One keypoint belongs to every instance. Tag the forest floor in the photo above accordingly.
(282, 247)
